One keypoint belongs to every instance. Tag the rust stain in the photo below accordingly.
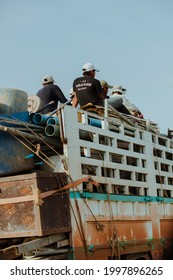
(28, 221)
(8, 209)
(26, 190)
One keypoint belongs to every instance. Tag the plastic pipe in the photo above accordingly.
(38, 163)
(94, 122)
(52, 130)
(40, 118)
(53, 120)
(29, 156)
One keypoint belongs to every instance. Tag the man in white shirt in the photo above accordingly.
(134, 110)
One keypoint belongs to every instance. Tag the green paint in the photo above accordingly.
(124, 198)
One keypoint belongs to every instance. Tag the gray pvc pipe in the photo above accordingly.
(53, 120)
(52, 130)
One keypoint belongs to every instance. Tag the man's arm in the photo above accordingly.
(59, 95)
(75, 100)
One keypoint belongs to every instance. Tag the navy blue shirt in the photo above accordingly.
(88, 90)
(48, 93)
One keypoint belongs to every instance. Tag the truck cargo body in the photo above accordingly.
(108, 194)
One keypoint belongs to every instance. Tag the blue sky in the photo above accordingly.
(129, 41)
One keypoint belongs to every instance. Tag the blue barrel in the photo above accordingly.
(13, 158)
(13, 101)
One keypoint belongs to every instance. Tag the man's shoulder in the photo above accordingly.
(50, 86)
(53, 88)
(47, 89)
(40, 91)
(79, 79)
(86, 78)
(97, 81)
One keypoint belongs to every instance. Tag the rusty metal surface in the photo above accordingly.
(101, 245)
(23, 213)
(124, 236)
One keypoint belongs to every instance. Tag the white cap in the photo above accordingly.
(119, 89)
(88, 67)
(47, 79)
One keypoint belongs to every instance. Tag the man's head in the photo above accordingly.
(88, 69)
(105, 86)
(118, 90)
(47, 80)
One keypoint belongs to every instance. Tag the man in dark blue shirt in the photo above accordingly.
(48, 93)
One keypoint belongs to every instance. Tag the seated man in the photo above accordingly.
(50, 94)
(87, 89)
(112, 101)
(105, 87)
(120, 91)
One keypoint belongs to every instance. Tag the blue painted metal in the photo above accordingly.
(148, 198)
(114, 197)
(21, 116)
(13, 155)
(160, 199)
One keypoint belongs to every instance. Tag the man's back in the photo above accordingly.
(133, 109)
(88, 90)
(48, 93)
(129, 105)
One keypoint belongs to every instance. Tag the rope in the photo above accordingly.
(80, 227)
(114, 235)
(37, 136)
(41, 139)
(36, 153)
